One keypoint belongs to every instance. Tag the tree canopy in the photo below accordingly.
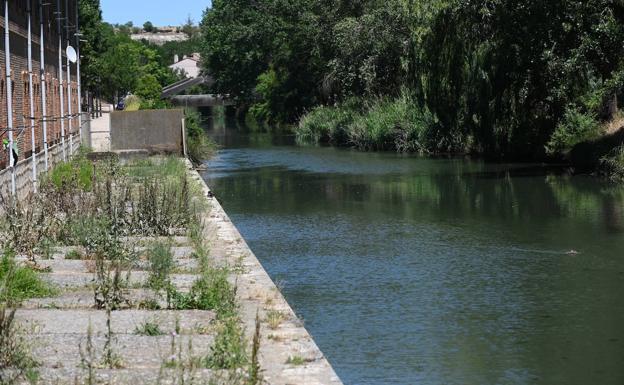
(506, 78)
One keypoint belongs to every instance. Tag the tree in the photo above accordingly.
(148, 26)
(189, 27)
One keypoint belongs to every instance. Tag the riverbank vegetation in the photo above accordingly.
(507, 81)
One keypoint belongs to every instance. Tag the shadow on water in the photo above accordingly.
(434, 271)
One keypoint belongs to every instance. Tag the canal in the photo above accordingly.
(434, 271)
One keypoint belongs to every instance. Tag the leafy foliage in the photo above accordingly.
(506, 79)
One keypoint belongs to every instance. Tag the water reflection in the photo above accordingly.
(442, 271)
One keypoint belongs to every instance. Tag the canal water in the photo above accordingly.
(434, 271)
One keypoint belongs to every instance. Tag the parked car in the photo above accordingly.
(121, 105)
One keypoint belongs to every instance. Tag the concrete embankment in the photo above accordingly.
(145, 341)
(256, 292)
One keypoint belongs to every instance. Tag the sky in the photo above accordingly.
(159, 12)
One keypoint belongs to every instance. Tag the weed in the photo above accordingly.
(228, 351)
(148, 329)
(111, 359)
(254, 366)
(161, 264)
(87, 356)
(295, 360)
(20, 283)
(26, 223)
(149, 304)
(275, 318)
(73, 255)
(45, 248)
(15, 359)
(212, 291)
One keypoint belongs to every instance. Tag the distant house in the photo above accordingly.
(189, 65)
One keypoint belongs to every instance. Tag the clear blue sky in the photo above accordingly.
(159, 12)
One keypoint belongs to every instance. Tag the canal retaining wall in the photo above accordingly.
(288, 353)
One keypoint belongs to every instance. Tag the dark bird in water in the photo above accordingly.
(210, 194)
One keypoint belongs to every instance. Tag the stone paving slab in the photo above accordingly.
(131, 351)
(68, 266)
(82, 298)
(64, 321)
(134, 376)
(69, 280)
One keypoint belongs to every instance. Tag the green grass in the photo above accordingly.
(20, 283)
(164, 168)
(78, 172)
(199, 145)
(296, 360)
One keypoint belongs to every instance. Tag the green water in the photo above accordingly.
(449, 271)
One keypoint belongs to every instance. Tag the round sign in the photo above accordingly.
(71, 54)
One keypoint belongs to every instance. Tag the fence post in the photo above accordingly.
(184, 151)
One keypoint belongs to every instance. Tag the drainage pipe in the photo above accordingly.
(69, 101)
(78, 34)
(44, 109)
(9, 87)
(59, 13)
(31, 95)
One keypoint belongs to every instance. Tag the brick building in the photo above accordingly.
(18, 44)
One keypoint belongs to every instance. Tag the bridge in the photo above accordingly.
(172, 92)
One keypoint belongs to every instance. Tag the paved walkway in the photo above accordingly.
(100, 131)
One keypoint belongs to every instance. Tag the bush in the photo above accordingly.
(199, 145)
(576, 127)
(381, 124)
(394, 124)
(325, 124)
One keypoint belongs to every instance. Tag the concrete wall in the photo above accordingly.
(23, 169)
(157, 131)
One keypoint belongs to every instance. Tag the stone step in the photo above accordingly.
(130, 351)
(136, 376)
(65, 266)
(84, 299)
(138, 279)
(76, 321)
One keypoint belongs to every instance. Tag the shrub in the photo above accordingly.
(576, 127)
(393, 124)
(199, 145)
(325, 124)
